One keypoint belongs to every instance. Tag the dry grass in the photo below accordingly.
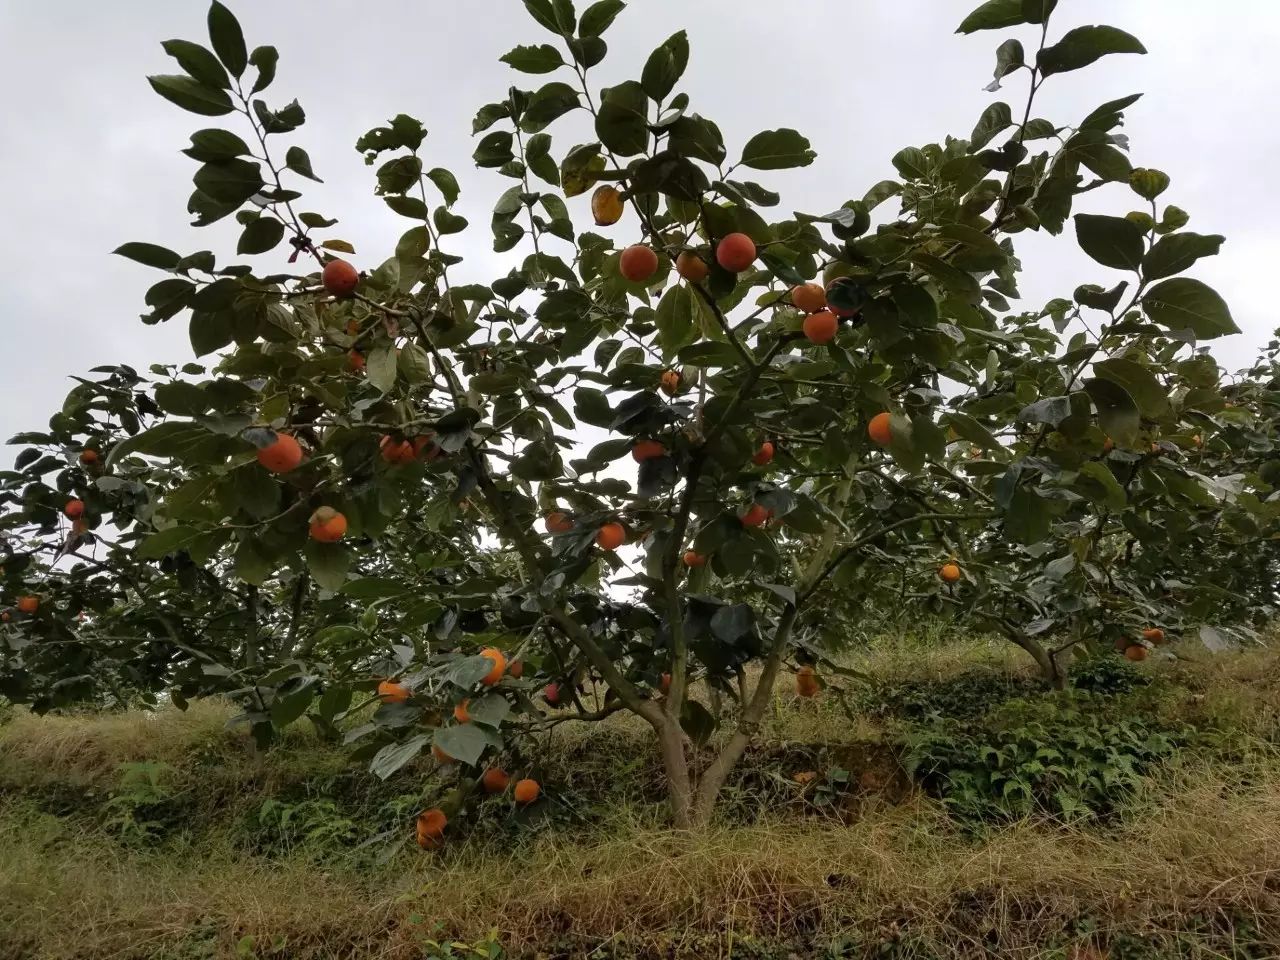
(1208, 847)
(1193, 866)
(90, 747)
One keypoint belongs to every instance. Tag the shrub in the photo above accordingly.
(1066, 756)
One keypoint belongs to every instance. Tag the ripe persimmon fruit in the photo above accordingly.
(820, 327)
(396, 451)
(691, 266)
(879, 430)
(557, 521)
(430, 828)
(28, 604)
(764, 454)
(648, 450)
(515, 670)
(551, 693)
(281, 456)
(950, 572)
(1135, 652)
(499, 669)
(809, 297)
(460, 712)
(756, 516)
(611, 536)
(392, 691)
(89, 457)
(328, 525)
(440, 755)
(526, 791)
(74, 509)
(670, 382)
(806, 682)
(1153, 635)
(355, 360)
(607, 205)
(340, 278)
(495, 780)
(694, 559)
(638, 263)
(736, 252)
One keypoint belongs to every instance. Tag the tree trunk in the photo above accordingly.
(676, 766)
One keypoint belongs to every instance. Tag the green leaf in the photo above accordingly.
(1138, 381)
(1176, 252)
(494, 149)
(597, 17)
(489, 710)
(675, 316)
(413, 363)
(148, 254)
(911, 163)
(214, 145)
(953, 278)
(1185, 304)
(464, 742)
(1009, 57)
(1050, 410)
(296, 159)
(697, 138)
(374, 588)
(260, 235)
(993, 15)
(328, 563)
(665, 66)
(380, 367)
(227, 40)
(551, 101)
(592, 406)
(1112, 241)
(1118, 414)
(1027, 518)
(1083, 45)
(252, 565)
(395, 755)
(199, 62)
(709, 354)
(578, 168)
(995, 118)
(1099, 484)
(488, 115)
(698, 722)
(413, 243)
(447, 222)
(191, 95)
(542, 58)
(234, 181)
(622, 123)
(166, 541)
(1037, 11)
(264, 59)
(777, 150)
(544, 13)
(210, 331)
(285, 710)
(446, 183)
(410, 207)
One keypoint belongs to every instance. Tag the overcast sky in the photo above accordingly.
(89, 156)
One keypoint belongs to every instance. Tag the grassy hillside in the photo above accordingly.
(1136, 818)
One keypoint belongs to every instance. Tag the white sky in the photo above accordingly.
(89, 157)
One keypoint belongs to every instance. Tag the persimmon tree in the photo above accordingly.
(628, 468)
